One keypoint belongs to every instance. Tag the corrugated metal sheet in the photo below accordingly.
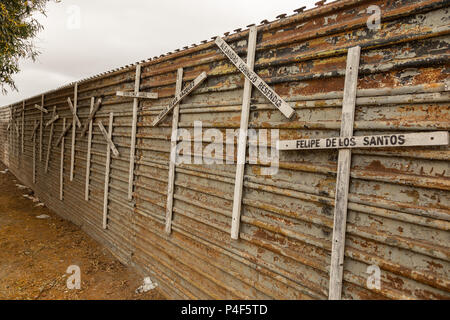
(399, 202)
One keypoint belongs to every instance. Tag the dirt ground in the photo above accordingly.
(35, 254)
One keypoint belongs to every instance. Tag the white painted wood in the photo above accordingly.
(74, 129)
(108, 139)
(137, 83)
(49, 122)
(42, 109)
(173, 154)
(36, 125)
(107, 170)
(40, 126)
(248, 72)
(186, 91)
(61, 172)
(50, 137)
(242, 142)
(89, 146)
(74, 113)
(436, 138)
(23, 124)
(63, 134)
(343, 175)
(91, 116)
(137, 94)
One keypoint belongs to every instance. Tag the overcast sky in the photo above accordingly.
(114, 33)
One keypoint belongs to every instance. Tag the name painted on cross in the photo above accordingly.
(390, 140)
(273, 97)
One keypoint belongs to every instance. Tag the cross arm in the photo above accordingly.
(108, 140)
(41, 108)
(63, 134)
(56, 117)
(91, 116)
(436, 138)
(36, 126)
(72, 109)
(178, 97)
(138, 95)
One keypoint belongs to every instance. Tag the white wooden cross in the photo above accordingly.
(75, 121)
(172, 161)
(63, 134)
(52, 121)
(180, 96)
(252, 79)
(43, 110)
(136, 95)
(345, 143)
(108, 139)
(93, 110)
(91, 116)
(110, 146)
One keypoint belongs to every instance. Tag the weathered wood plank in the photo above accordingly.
(242, 142)
(89, 146)
(36, 125)
(108, 139)
(436, 138)
(49, 149)
(63, 134)
(74, 129)
(40, 127)
(49, 122)
(137, 94)
(74, 113)
(61, 172)
(178, 97)
(107, 171)
(42, 109)
(343, 175)
(91, 116)
(173, 154)
(249, 74)
(137, 83)
(23, 124)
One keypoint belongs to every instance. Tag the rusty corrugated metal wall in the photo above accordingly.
(399, 202)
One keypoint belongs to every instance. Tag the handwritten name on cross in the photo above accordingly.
(273, 97)
(180, 96)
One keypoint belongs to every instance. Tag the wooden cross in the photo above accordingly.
(74, 113)
(172, 161)
(63, 134)
(75, 122)
(41, 108)
(89, 146)
(345, 143)
(108, 139)
(109, 146)
(36, 126)
(49, 122)
(251, 79)
(136, 95)
(180, 96)
(23, 124)
(50, 138)
(33, 137)
(91, 116)
(248, 72)
(61, 170)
